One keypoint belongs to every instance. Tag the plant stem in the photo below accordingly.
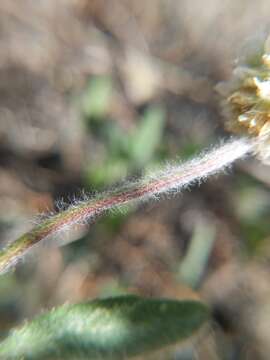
(170, 180)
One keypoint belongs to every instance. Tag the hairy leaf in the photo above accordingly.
(112, 328)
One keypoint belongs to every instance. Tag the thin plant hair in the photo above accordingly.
(166, 182)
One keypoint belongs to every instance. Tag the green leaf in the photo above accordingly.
(97, 96)
(115, 139)
(112, 328)
(110, 171)
(147, 136)
(194, 263)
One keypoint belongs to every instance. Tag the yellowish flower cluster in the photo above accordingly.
(246, 103)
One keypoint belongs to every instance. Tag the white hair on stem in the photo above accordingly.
(166, 182)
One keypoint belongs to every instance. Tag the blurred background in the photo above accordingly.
(92, 91)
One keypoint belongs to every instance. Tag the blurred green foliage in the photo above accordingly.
(96, 98)
(147, 137)
(194, 264)
(252, 206)
(125, 152)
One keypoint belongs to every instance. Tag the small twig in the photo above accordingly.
(172, 179)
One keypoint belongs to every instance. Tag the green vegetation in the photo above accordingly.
(113, 328)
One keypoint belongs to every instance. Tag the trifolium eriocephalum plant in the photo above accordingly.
(246, 104)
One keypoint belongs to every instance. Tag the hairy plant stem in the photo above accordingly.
(170, 180)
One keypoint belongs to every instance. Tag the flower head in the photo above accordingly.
(246, 104)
